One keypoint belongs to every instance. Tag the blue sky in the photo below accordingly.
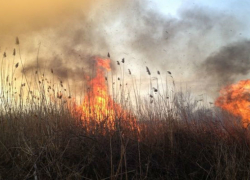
(237, 7)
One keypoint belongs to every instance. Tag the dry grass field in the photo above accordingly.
(46, 134)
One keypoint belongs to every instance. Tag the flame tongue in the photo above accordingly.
(98, 107)
(236, 100)
(96, 104)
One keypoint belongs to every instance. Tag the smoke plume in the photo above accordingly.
(230, 62)
(198, 42)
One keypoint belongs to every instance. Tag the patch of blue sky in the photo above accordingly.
(237, 8)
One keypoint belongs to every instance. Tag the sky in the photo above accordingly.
(204, 44)
(172, 6)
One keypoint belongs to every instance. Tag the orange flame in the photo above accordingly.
(98, 109)
(235, 99)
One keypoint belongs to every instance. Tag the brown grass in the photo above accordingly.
(178, 138)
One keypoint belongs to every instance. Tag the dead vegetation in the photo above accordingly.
(177, 138)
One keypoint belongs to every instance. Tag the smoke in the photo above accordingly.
(187, 45)
(70, 47)
(18, 17)
(231, 61)
(183, 41)
(61, 34)
(69, 34)
(202, 47)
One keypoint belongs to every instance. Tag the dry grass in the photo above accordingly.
(178, 139)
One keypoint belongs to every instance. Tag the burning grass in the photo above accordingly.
(98, 107)
(235, 99)
(46, 134)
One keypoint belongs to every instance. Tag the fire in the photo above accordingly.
(99, 110)
(235, 99)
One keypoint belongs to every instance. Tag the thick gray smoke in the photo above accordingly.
(194, 44)
(69, 49)
(230, 62)
(188, 45)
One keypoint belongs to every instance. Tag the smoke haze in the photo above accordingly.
(228, 63)
(200, 46)
(27, 15)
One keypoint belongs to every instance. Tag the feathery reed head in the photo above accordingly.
(148, 71)
(17, 41)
